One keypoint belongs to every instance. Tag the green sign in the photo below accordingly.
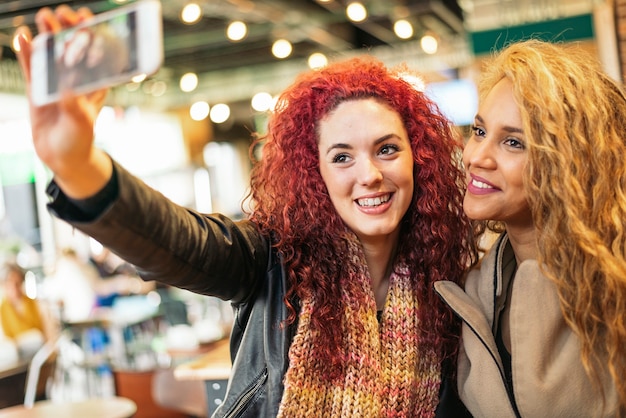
(571, 28)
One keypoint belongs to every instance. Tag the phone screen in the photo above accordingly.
(84, 55)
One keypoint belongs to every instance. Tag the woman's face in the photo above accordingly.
(494, 158)
(13, 285)
(367, 165)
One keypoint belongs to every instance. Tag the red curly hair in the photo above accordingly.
(291, 203)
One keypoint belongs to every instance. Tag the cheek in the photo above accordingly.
(410, 188)
(406, 172)
(467, 152)
(336, 186)
(331, 180)
(516, 177)
(402, 177)
(324, 173)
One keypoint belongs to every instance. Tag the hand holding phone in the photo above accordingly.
(109, 49)
(63, 132)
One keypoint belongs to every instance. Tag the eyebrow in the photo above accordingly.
(510, 129)
(341, 145)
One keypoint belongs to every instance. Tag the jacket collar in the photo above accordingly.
(502, 268)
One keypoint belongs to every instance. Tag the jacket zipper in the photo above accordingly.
(242, 402)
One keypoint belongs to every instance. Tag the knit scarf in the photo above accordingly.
(389, 371)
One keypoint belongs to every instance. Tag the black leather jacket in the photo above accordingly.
(211, 255)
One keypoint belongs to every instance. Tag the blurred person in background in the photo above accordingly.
(22, 318)
(73, 286)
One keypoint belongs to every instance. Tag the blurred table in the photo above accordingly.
(116, 407)
(212, 364)
(129, 332)
(18, 366)
(12, 382)
(212, 367)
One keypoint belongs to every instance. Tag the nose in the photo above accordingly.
(478, 154)
(369, 172)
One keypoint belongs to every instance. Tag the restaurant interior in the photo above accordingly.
(117, 346)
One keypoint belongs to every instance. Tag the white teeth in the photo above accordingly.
(375, 201)
(480, 184)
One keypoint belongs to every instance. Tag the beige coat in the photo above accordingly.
(548, 376)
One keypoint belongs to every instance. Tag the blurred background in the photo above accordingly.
(187, 129)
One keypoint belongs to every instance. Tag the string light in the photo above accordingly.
(189, 82)
(403, 29)
(356, 12)
(317, 60)
(261, 102)
(191, 13)
(236, 30)
(282, 48)
(219, 113)
(429, 44)
(139, 78)
(199, 110)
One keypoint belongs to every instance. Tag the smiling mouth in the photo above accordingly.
(481, 185)
(373, 201)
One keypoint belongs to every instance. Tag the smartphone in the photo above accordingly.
(110, 49)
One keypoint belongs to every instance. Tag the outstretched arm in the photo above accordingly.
(63, 132)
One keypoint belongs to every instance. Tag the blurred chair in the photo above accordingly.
(38, 372)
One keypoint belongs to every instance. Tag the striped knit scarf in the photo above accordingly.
(388, 371)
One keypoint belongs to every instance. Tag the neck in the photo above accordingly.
(524, 242)
(16, 302)
(379, 258)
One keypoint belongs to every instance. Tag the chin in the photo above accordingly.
(378, 233)
(475, 215)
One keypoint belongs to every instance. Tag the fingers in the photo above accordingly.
(67, 16)
(84, 14)
(62, 17)
(46, 21)
(24, 36)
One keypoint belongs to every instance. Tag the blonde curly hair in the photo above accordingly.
(574, 120)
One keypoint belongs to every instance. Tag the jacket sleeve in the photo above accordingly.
(207, 254)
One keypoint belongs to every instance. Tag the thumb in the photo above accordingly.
(24, 38)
